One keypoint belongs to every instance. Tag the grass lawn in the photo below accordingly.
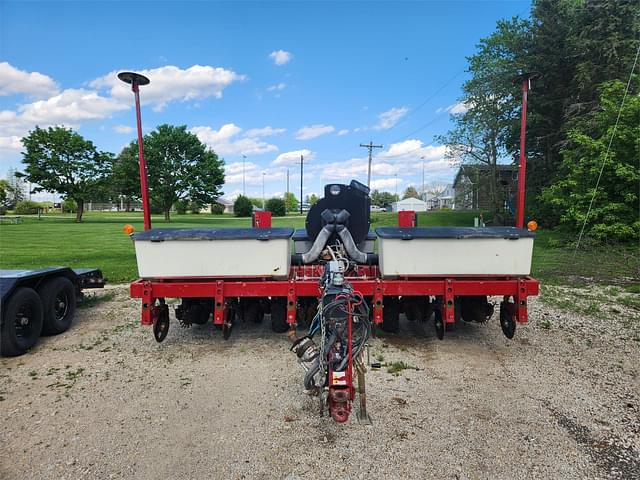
(99, 242)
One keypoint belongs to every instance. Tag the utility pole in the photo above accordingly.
(370, 147)
(301, 176)
(244, 194)
(287, 182)
(263, 174)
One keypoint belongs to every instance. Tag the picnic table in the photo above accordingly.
(11, 219)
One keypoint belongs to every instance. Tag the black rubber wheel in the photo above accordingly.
(507, 320)
(391, 315)
(58, 297)
(21, 322)
(253, 312)
(161, 327)
(279, 322)
(438, 323)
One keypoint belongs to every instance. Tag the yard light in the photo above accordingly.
(532, 226)
(128, 229)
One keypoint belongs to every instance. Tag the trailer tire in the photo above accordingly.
(279, 322)
(391, 315)
(58, 297)
(16, 339)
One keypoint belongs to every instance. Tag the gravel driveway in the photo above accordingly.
(104, 400)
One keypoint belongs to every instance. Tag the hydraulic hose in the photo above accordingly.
(316, 249)
(352, 249)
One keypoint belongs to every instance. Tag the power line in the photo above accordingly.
(606, 155)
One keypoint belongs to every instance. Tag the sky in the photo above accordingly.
(268, 80)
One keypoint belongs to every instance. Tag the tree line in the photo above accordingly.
(580, 53)
(180, 168)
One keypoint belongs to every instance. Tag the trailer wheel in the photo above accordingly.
(59, 305)
(279, 322)
(391, 315)
(21, 322)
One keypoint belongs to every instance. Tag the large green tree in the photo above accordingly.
(614, 211)
(291, 202)
(60, 160)
(483, 132)
(179, 167)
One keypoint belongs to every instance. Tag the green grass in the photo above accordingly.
(99, 242)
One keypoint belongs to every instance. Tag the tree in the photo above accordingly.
(313, 199)
(60, 160)
(276, 206)
(483, 134)
(15, 189)
(614, 212)
(125, 177)
(179, 167)
(242, 207)
(291, 202)
(411, 192)
(383, 199)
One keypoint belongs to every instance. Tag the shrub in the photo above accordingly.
(276, 206)
(181, 206)
(194, 207)
(27, 207)
(242, 207)
(217, 209)
(69, 205)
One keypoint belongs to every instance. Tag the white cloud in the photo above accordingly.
(313, 131)
(342, 132)
(122, 129)
(171, 83)
(389, 118)
(280, 57)
(402, 158)
(265, 132)
(460, 107)
(13, 81)
(279, 86)
(10, 143)
(69, 108)
(293, 157)
(227, 141)
(386, 184)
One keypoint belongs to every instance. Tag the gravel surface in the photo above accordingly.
(104, 400)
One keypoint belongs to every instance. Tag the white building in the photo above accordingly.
(414, 204)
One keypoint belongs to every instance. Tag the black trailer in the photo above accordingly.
(35, 302)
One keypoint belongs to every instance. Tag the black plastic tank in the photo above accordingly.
(354, 198)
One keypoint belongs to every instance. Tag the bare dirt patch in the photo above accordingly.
(104, 400)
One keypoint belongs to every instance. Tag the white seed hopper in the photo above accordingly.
(448, 251)
(213, 252)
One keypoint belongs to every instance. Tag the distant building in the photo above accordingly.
(471, 188)
(444, 199)
(226, 203)
(414, 204)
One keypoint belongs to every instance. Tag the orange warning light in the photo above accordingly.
(128, 229)
(532, 226)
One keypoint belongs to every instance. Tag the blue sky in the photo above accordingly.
(269, 80)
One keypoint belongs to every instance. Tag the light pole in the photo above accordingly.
(301, 177)
(424, 193)
(396, 187)
(263, 203)
(244, 157)
(135, 80)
